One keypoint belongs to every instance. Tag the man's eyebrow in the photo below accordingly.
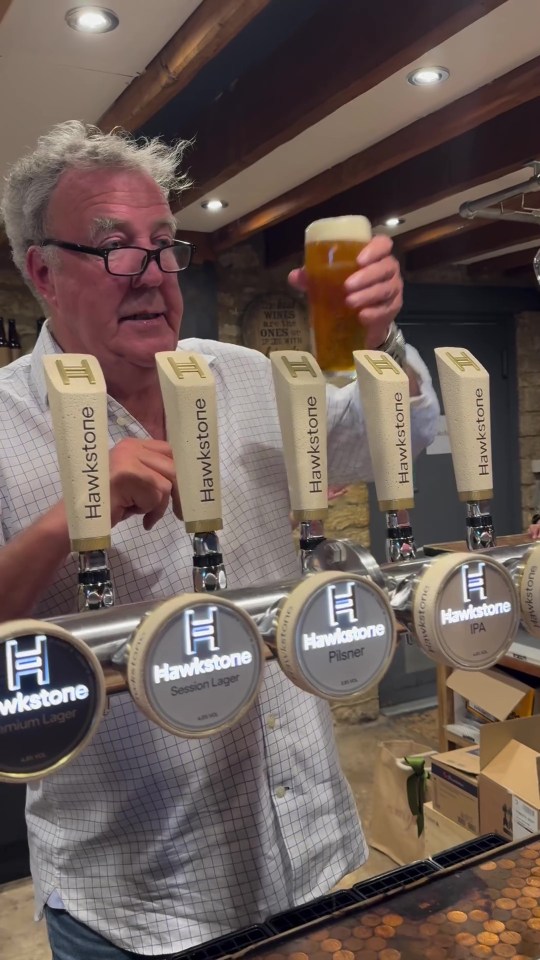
(101, 225)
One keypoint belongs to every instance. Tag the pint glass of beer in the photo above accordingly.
(331, 249)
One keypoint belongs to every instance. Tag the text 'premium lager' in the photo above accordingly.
(331, 249)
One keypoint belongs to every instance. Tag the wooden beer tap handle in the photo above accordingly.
(301, 401)
(78, 403)
(465, 393)
(189, 396)
(384, 390)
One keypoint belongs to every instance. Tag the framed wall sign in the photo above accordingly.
(276, 321)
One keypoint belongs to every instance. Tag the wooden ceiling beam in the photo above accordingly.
(345, 49)
(432, 232)
(493, 235)
(502, 95)
(513, 260)
(208, 30)
(494, 149)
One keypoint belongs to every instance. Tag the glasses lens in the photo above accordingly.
(127, 261)
(175, 258)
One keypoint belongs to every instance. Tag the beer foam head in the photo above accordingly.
(339, 228)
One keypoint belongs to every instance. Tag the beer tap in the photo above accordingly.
(465, 393)
(384, 389)
(78, 403)
(189, 396)
(301, 402)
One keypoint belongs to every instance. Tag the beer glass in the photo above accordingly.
(331, 248)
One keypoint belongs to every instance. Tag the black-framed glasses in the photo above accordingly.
(128, 261)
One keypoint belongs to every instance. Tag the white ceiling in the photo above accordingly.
(491, 46)
(50, 73)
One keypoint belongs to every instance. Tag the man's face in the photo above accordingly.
(123, 321)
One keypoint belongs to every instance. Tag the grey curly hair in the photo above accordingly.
(32, 179)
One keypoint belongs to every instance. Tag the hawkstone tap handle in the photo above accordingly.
(78, 403)
(189, 395)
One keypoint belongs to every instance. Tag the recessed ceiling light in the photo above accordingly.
(91, 19)
(394, 221)
(428, 76)
(214, 205)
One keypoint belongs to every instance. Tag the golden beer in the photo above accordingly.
(331, 249)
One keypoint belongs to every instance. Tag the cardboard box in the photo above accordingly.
(440, 832)
(509, 782)
(454, 784)
(491, 695)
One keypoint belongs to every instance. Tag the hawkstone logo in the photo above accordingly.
(34, 663)
(318, 641)
(27, 702)
(181, 671)
(465, 614)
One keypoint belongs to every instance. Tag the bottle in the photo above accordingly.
(5, 352)
(13, 341)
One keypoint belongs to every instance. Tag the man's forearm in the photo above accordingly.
(29, 563)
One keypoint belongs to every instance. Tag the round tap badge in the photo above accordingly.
(336, 635)
(195, 665)
(465, 610)
(52, 697)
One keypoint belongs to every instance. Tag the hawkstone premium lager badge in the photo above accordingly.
(195, 665)
(52, 696)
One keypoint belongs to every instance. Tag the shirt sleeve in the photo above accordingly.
(349, 460)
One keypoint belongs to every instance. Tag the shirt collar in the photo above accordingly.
(46, 344)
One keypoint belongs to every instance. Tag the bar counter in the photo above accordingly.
(480, 899)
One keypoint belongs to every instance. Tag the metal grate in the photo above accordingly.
(225, 946)
(316, 910)
(395, 879)
(468, 850)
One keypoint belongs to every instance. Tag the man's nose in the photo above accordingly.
(150, 277)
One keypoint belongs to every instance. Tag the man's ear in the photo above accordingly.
(41, 274)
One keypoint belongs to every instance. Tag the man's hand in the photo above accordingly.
(142, 480)
(375, 290)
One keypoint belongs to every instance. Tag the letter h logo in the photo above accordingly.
(83, 371)
(24, 663)
(183, 368)
(343, 604)
(473, 581)
(201, 630)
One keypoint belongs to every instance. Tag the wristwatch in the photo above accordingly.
(394, 345)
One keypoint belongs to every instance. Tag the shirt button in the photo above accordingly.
(280, 792)
(271, 722)
(122, 421)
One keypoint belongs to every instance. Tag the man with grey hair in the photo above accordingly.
(147, 844)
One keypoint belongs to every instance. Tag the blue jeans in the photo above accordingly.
(71, 940)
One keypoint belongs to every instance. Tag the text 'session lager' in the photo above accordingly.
(331, 249)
